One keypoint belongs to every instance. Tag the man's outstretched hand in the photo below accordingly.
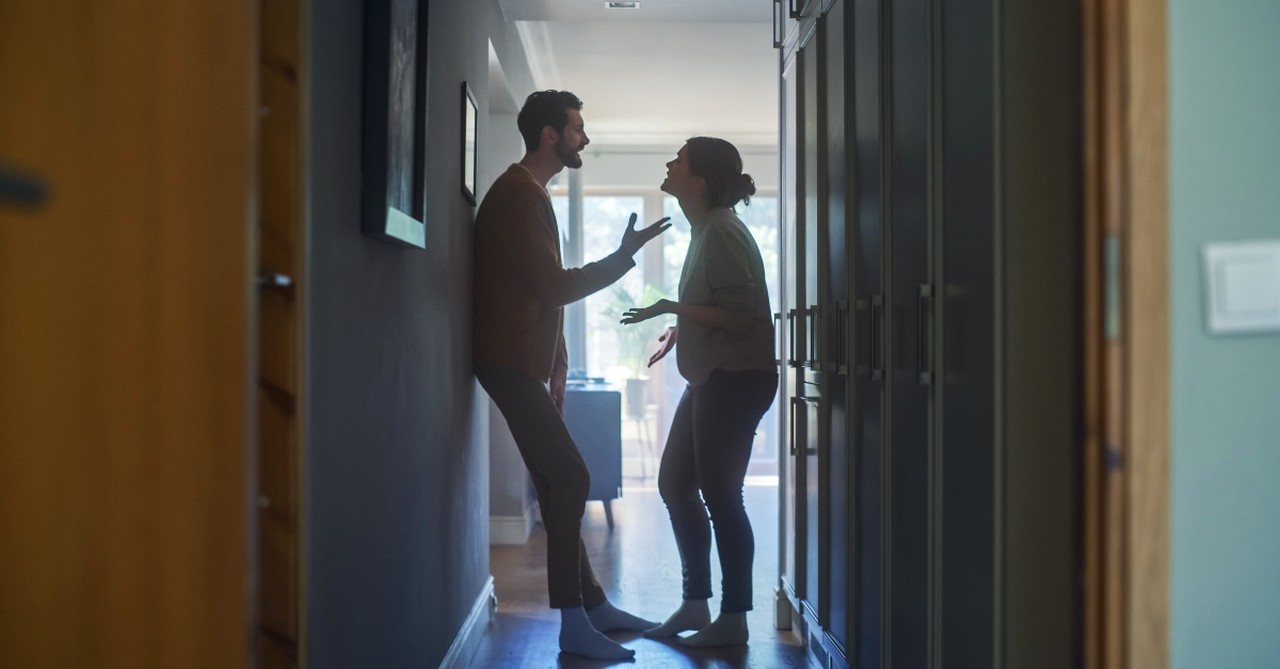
(633, 239)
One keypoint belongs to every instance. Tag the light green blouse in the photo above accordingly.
(723, 268)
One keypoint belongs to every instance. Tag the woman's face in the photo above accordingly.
(679, 181)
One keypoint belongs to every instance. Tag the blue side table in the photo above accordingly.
(593, 414)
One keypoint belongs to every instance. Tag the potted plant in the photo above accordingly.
(636, 342)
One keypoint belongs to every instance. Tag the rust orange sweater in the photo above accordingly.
(521, 284)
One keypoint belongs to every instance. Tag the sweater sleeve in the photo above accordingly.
(533, 251)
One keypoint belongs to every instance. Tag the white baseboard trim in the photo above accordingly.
(510, 530)
(467, 642)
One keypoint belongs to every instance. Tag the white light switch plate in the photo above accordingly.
(1243, 286)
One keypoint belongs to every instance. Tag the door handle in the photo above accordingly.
(21, 189)
(274, 280)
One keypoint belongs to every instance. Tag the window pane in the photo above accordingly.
(614, 351)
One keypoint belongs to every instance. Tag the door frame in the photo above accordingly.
(1126, 486)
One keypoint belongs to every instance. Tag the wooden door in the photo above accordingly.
(281, 268)
(126, 343)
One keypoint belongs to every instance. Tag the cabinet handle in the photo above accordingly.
(842, 337)
(814, 317)
(791, 437)
(791, 339)
(876, 338)
(777, 24)
(798, 406)
(924, 333)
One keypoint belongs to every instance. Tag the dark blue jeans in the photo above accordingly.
(703, 467)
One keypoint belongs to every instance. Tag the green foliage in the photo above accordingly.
(637, 342)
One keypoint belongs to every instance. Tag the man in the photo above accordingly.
(521, 288)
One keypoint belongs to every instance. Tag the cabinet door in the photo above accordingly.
(968, 351)
(866, 267)
(836, 356)
(809, 222)
(803, 9)
(910, 320)
(792, 299)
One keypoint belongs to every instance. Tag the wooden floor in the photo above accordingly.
(639, 568)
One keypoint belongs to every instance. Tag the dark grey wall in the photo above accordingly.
(1041, 304)
(397, 517)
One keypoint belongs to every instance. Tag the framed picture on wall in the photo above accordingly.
(393, 183)
(469, 130)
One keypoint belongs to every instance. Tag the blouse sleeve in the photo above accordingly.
(729, 277)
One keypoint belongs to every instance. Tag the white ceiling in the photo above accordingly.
(661, 73)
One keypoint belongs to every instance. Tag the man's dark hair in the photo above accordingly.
(542, 109)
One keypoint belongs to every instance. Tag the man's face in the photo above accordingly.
(572, 141)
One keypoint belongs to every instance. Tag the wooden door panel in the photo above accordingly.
(281, 270)
(278, 546)
(281, 152)
(282, 38)
(277, 312)
(277, 655)
(125, 311)
(278, 458)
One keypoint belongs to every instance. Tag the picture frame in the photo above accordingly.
(470, 128)
(393, 132)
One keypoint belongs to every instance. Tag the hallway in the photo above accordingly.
(638, 566)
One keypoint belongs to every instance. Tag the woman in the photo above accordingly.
(726, 354)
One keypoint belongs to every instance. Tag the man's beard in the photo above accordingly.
(568, 155)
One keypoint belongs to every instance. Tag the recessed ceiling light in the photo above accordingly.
(623, 4)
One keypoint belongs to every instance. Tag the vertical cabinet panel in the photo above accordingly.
(968, 342)
(793, 299)
(810, 376)
(837, 356)
(920, 261)
(866, 274)
(909, 316)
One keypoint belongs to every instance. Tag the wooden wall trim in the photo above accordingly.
(1147, 334)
